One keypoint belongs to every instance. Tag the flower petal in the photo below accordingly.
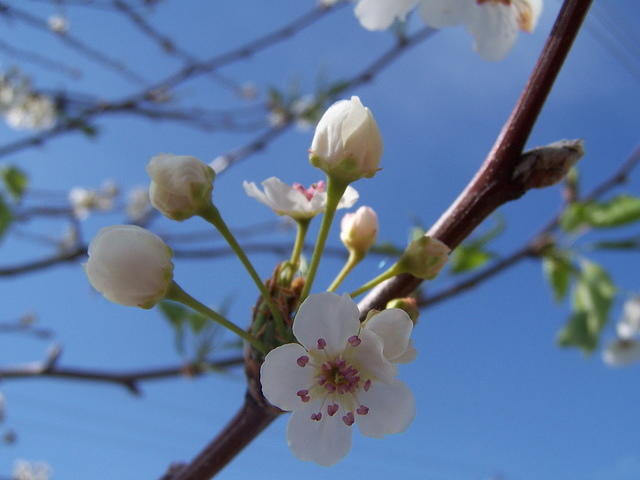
(621, 352)
(629, 326)
(331, 317)
(380, 14)
(282, 377)
(370, 359)
(325, 442)
(349, 198)
(495, 29)
(408, 356)
(394, 327)
(391, 409)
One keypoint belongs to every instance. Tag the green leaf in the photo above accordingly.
(466, 258)
(5, 216)
(15, 181)
(175, 314)
(557, 269)
(415, 233)
(619, 211)
(592, 299)
(631, 243)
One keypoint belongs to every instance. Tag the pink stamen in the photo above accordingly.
(310, 192)
(367, 385)
(322, 343)
(338, 376)
(332, 409)
(349, 419)
(354, 341)
(316, 416)
(302, 393)
(362, 410)
(302, 361)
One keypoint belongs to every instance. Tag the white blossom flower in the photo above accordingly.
(358, 230)
(625, 350)
(494, 24)
(295, 201)
(130, 265)
(34, 112)
(180, 185)
(138, 204)
(23, 470)
(339, 374)
(84, 201)
(58, 24)
(347, 143)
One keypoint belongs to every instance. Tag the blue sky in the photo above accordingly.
(495, 395)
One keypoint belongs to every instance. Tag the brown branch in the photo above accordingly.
(494, 185)
(130, 379)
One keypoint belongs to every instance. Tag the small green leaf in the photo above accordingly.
(466, 258)
(15, 181)
(197, 321)
(415, 233)
(5, 216)
(557, 269)
(573, 217)
(592, 299)
(631, 243)
(621, 210)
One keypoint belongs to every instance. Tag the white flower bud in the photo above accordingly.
(424, 257)
(347, 144)
(180, 185)
(130, 265)
(358, 230)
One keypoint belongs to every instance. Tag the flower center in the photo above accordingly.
(309, 193)
(337, 376)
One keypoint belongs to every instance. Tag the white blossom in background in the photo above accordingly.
(23, 470)
(33, 112)
(347, 143)
(138, 204)
(339, 374)
(494, 24)
(295, 200)
(84, 200)
(58, 24)
(299, 107)
(625, 350)
(130, 265)
(3, 407)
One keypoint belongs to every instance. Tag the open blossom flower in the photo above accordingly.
(32, 112)
(295, 200)
(347, 143)
(339, 374)
(625, 350)
(180, 185)
(138, 204)
(494, 24)
(84, 200)
(130, 265)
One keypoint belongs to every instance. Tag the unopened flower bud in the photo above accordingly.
(408, 304)
(347, 144)
(130, 265)
(358, 230)
(545, 166)
(424, 257)
(180, 185)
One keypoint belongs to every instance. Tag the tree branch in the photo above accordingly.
(494, 184)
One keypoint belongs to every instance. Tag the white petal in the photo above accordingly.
(391, 409)
(349, 198)
(281, 196)
(444, 13)
(394, 327)
(281, 376)
(325, 442)
(380, 14)
(629, 325)
(621, 352)
(331, 317)
(495, 28)
(369, 358)
(408, 356)
(528, 13)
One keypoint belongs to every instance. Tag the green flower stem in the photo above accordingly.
(335, 190)
(177, 294)
(352, 261)
(391, 272)
(301, 234)
(212, 215)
